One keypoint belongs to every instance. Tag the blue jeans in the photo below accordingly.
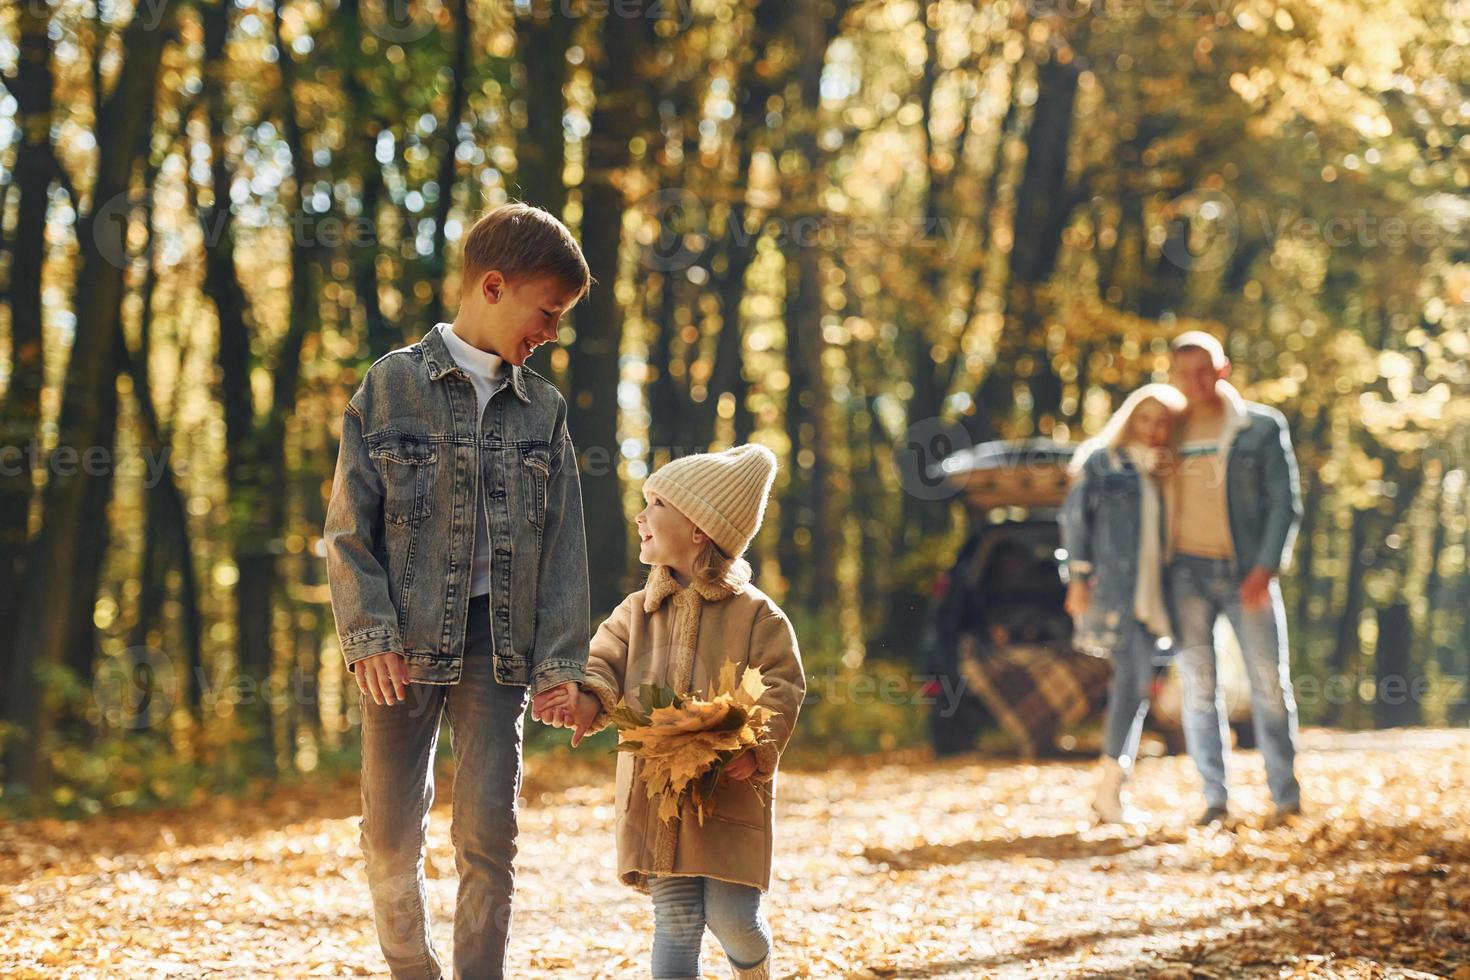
(1204, 588)
(398, 743)
(682, 905)
(1133, 673)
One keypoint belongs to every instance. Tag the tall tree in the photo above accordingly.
(617, 117)
(543, 35)
(20, 413)
(50, 602)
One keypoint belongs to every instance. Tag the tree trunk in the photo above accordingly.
(50, 603)
(1044, 206)
(92, 542)
(363, 167)
(35, 166)
(737, 251)
(1394, 704)
(464, 32)
(807, 545)
(1345, 651)
(593, 360)
(542, 38)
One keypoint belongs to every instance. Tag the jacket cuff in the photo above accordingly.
(606, 697)
(767, 755)
(554, 673)
(369, 642)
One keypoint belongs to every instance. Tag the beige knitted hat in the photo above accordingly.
(724, 494)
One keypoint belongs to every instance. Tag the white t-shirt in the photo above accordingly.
(484, 369)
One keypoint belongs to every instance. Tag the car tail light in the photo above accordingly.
(941, 585)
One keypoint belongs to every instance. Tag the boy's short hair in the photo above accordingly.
(1199, 340)
(524, 242)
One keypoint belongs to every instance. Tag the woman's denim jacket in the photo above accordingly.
(1099, 524)
(400, 528)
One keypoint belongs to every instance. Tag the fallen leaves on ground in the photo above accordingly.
(894, 867)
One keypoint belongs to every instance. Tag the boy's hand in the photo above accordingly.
(554, 706)
(742, 766)
(383, 677)
(585, 713)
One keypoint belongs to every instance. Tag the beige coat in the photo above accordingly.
(681, 637)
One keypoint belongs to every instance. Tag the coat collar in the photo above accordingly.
(440, 362)
(1236, 417)
(662, 584)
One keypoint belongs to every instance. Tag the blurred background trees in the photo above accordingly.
(863, 233)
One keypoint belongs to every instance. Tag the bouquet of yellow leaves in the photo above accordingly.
(685, 743)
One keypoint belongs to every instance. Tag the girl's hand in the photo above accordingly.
(1079, 597)
(584, 713)
(742, 766)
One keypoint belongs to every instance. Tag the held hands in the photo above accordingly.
(583, 715)
(553, 706)
(567, 706)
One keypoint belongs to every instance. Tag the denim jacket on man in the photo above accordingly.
(1262, 489)
(400, 528)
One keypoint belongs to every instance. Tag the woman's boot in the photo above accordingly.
(1107, 802)
(761, 971)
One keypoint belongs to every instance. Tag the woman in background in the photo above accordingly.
(1113, 527)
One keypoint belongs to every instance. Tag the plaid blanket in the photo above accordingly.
(1034, 692)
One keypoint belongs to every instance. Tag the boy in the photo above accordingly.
(457, 562)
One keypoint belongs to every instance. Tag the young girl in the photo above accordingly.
(1113, 528)
(697, 612)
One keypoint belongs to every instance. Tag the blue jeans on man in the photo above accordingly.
(1203, 589)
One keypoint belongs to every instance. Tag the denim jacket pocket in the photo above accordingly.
(405, 460)
(535, 474)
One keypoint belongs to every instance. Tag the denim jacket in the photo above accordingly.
(1099, 524)
(400, 527)
(1262, 489)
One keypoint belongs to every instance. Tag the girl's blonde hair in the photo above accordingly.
(1115, 432)
(713, 567)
